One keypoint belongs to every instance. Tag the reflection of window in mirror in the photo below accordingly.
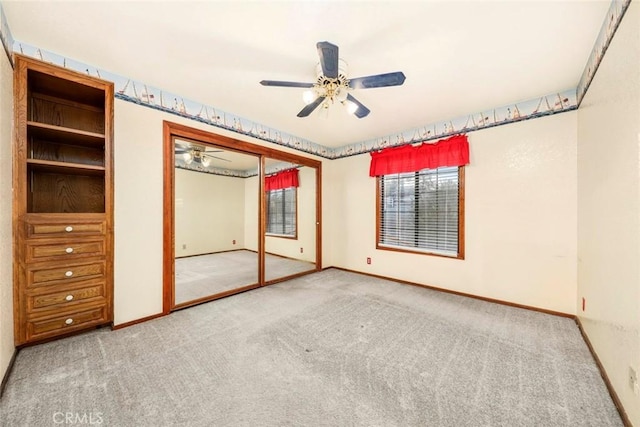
(281, 212)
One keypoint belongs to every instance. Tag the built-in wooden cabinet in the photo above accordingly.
(63, 201)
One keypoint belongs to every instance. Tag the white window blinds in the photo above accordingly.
(420, 210)
(281, 211)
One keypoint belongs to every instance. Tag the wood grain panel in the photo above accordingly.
(45, 275)
(54, 151)
(65, 297)
(39, 226)
(63, 83)
(42, 328)
(66, 193)
(51, 111)
(69, 250)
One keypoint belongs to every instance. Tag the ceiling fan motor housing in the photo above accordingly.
(333, 89)
(333, 85)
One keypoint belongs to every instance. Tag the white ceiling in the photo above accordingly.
(458, 57)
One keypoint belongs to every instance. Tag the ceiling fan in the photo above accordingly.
(202, 155)
(332, 83)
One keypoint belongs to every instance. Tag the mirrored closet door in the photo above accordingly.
(216, 221)
(290, 219)
(237, 216)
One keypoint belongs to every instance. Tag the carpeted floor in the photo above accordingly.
(206, 275)
(327, 349)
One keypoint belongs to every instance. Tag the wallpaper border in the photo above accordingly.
(5, 36)
(614, 16)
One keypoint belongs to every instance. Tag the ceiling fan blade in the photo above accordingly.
(211, 150)
(284, 84)
(378, 80)
(181, 151)
(214, 157)
(309, 108)
(362, 111)
(328, 54)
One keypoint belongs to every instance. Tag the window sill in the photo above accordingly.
(282, 236)
(418, 251)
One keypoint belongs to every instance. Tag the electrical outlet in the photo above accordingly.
(301, 250)
(368, 260)
(633, 379)
(234, 242)
(584, 303)
(184, 246)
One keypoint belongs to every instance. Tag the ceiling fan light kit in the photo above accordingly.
(332, 90)
(193, 153)
(197, 156)
(332, 84)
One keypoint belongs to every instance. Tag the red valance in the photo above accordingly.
(452, 151)
(284, 179)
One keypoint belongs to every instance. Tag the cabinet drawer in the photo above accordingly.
(40, 328)
(65, 228)
(66, 297)
(65, 250)
(37, 276)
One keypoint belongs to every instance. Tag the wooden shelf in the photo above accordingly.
(64, 135)
(49, 166)
(68, 102)
(62, 194)
(70, 89)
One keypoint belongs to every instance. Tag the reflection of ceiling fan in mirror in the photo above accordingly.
(198, 154)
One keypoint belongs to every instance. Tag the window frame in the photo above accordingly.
(293, 236)
(461, 231)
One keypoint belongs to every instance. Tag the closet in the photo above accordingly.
(62, 202)
(228, 227)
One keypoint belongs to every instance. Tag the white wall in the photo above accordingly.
(138, 212)
(209, 213)
(609, 210)
(6, 249)
(306, 215)
(520, 218)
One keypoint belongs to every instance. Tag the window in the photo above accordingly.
(281, 212)
(422, 212)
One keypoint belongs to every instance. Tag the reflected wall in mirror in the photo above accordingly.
(290, 219)
(216, 232)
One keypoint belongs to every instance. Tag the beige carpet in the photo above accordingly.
(327, 349)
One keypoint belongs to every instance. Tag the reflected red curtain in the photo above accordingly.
(284, 179)
(452, 151)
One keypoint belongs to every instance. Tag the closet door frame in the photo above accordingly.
(173, 130)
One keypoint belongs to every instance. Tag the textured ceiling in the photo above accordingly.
(458, 57)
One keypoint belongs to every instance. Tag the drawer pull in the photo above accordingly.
(68, 229)
(69, 298)
(69, 273)
(68, 321)
(69, 250)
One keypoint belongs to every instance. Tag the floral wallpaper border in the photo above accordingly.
(145, 95)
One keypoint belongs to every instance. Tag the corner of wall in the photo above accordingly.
(6, 231)
(609, 212)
